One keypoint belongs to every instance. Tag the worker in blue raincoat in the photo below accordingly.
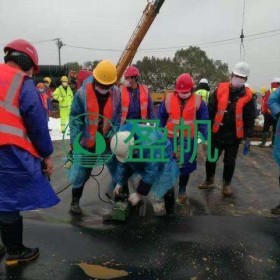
(25, 149)
(274, 106)
(91, 115)
(184, 104)
(156, 166)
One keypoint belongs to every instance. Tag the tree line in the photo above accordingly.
(161, 73)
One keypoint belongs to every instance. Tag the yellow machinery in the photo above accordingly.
(149, 14)
(158, 96)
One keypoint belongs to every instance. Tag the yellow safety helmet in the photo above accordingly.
(263, 90)
(48, 80)
(64, 79)
(105, 72)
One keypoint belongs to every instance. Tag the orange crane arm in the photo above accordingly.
(149, 14)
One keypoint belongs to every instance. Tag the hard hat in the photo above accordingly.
(204, 81)
(263, 90)
(276, 81)
(40, 85)
(25, 47)
(118, 145)
(131, 71)
(241, 69)
(64, 79)
(48, 80)
(184, 83)
(105, 72)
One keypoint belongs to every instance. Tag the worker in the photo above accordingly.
(64, 95)
(184, 103)
(95, 100)
(232, 112)
(82, 75)
(47, 82)
(263, 91)
(135, 102)
(273, 104)
(157, 177)
(255, 98)
(25, 149)
(268, 118)
(44, 97)
(203, 90)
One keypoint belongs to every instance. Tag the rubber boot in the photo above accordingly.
(227, 191)
(276, 210)
(264, 138)
(183, 181)
(12, 238)
(169, 202)
(75, 208)
(208, 184)
(272, 141)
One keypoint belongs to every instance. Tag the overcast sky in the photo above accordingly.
(108, 24)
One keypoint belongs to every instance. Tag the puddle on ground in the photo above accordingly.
(101, 272)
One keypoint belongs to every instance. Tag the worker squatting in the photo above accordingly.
(112, 122)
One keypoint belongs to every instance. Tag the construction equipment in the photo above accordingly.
(55, 72)
(121, 208)
(149, 14)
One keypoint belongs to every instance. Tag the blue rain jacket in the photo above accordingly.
(77, 175)
(161, 175)
(274, 106)
(201, 114)
(23, 186)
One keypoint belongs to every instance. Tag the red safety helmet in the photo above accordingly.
(131, 71)
(184, 83)
(25, 47)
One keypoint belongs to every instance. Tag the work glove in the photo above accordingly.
(117, 190)
(247, 145)
(134, 198)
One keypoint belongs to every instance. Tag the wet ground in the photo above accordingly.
(209, 238)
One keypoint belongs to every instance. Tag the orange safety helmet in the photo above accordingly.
(184, 83)
(131, 71)
(27, 48)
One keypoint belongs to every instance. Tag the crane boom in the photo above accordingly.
(149, 14)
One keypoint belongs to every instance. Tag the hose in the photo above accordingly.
(98, 185)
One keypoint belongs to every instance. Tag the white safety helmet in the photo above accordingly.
(119, 147)
(276, 80)
(241, 69)
(204, 81)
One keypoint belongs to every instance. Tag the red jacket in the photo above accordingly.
(264, 108)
